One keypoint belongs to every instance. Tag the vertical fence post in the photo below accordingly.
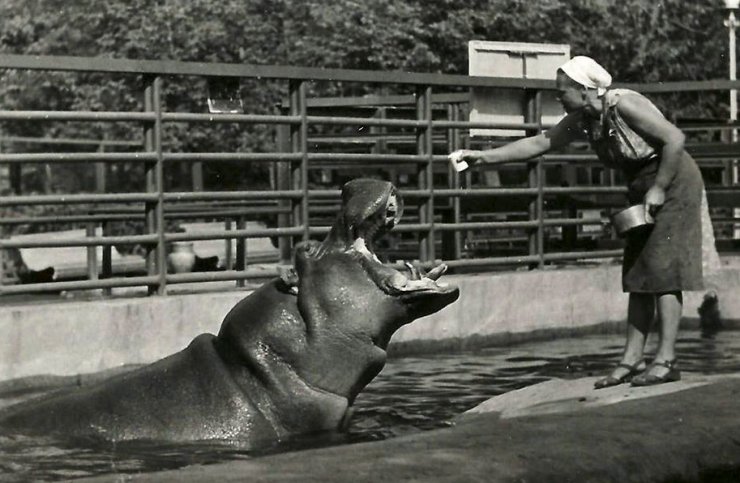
(92, 254)
(2, 265)
(196, 175)
(155, 183)
(107, 263)
(2, 232)
(283, 182)
(241, 250)
(380, 146)
(535, 169)
(426, 172)
(453, 144)
(2, 259)
(299, 144)
(100, 172)
(228, 254)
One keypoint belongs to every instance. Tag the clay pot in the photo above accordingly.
(182, 257)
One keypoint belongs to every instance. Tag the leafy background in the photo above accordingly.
(637, 40)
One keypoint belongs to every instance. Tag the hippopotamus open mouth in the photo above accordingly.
(370, 209)
(290, 357)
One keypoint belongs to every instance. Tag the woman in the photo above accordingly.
(629, 133)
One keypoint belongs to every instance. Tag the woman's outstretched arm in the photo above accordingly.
(567, 130)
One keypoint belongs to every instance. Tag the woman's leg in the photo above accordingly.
(670, 306)
(640, 316)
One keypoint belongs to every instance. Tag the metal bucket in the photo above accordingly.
(630, 219)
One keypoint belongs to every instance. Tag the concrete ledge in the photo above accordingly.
(516, 306)
(73, 337)
(79, 337)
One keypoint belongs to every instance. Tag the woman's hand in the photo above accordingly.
(654, 199)
(463, 158)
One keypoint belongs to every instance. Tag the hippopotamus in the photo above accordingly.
(289, 359)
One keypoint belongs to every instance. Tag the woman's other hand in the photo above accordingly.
(654, 199)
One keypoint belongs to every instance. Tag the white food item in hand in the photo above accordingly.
(455, 157)
(460, 167)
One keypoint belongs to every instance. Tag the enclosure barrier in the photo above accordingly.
(292, 196)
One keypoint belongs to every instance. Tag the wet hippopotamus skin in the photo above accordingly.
(290, 358)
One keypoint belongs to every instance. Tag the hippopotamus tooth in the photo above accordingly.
(289, 358)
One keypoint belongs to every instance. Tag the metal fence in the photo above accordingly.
(293, 200)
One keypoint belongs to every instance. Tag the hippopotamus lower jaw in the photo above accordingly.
(420, 293)
(426, 296)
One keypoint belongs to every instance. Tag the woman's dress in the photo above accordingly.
(666, 257)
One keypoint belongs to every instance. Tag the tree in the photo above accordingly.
(637, 40)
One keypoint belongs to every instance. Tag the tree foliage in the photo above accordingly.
(637, 40)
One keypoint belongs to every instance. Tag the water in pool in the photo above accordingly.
(411, 394)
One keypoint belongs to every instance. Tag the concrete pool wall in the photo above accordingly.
(75, 337)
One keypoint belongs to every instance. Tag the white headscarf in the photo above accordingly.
(587, 72)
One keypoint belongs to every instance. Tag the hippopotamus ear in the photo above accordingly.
(362, 198)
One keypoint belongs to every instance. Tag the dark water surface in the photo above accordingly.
(412, 394)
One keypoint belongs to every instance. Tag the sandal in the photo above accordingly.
(647, 379)
(610, 380)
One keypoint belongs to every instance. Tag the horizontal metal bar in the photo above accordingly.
(364, 121)
(205, 209)
(72, 141)
(491, 261)
(222, 276)
(571, 221)
(224, 234)
(166, 67)
(225, 213)
(246, 157)
(25, 220)
(441, 124)
(371, 139)
(552, 190)
(412, 227)
(78, 285)
(235, 118)
(380, 101)
(115, 116)
(59, 158)
(318, 230)
(479, 225)
(471, 193)
(682, 86)
(324, 194)
(356, 157)
(73, 199)
(79, 242)
(559, 158)
(232, 195)
(135, 214)
(578, 255)
(484, 125)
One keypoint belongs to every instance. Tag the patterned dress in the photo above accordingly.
(668, 256)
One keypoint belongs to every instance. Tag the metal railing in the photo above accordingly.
(292, 197)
